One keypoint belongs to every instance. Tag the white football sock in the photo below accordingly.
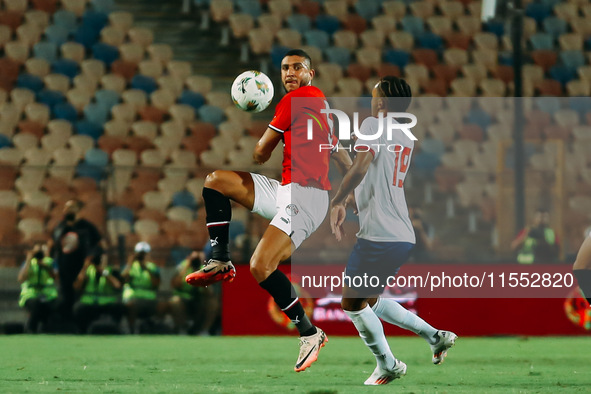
(372, 332)
(392, 312)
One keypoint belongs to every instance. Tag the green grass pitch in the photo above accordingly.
(161, 364)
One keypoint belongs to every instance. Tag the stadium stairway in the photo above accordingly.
(191, 41)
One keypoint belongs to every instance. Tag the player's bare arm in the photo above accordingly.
(342, 159)
(352, 179)
(266, 145)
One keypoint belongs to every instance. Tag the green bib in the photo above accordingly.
(140, 282)
(39, 283)
(99, 292)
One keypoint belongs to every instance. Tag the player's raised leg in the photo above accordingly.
(221, 187)
(582, 268)
(371, 332)
(274, 247)
(392, 312)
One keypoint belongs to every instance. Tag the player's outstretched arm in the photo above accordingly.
(342, 159)
(266, 145)
(351, 180)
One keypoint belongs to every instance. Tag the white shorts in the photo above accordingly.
(296, 210)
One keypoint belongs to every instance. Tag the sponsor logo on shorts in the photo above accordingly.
(285, 220)
(292, 210)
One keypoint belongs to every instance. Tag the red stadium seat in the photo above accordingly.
(544, 58)
(355, 23)
(504, 73)
(49, 6)
(436, 86)
(457, 40)
(427, 57)
(388, 69)
(557, 132)
(471, 132)
(359, 71)
(310, 8)
(126, 69)
(445, 72)
(549, 87)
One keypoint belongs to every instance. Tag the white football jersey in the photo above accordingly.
(383, 214)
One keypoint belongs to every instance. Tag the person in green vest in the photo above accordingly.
(188, 303)
(538, 243)
(38, 296)
(140, 291)
(100, 287)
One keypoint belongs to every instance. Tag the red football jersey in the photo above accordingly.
(304, 162)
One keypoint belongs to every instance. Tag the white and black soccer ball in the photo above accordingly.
(252, 91)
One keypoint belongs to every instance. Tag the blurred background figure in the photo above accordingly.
(142, 279)
(38, 288)
(100, 286)
(421, 251)
(75, 239)
(537, 243)
(198, 305)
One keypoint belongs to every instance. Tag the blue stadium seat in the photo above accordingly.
(572, 59)
(5, 142)
(541, 41)
(184, 198)
(96, 113)
(194, 99)
(398, 57)
(104, 6)
(538, 11)
(178, 254)
(425, 163)
(495, 27)
(94, 164)
(563, 74)
(317, 38)
(413, 25)
(236, 228)
(550, 3)
(66, 67)
(50, 97)
(555, 26)
(580, 104)
(547, 104)
(120, 212)
(338, 55)
(105, 52)
(479, 117)
(433, 146)
(86, 36)
(506, 58)
(277, 54)
(145, 83)
(92, 129)
(107, 98)
(299, 22)
(66, 19)
(368, 8)
(211, 114)
(251, 7)
(45, 50)
(30, 81)
(57, 34)
(65, 111)
(430, 41)
(95, 20)
(328, 23)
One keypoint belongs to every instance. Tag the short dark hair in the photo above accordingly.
(391, 86)
(301, 53)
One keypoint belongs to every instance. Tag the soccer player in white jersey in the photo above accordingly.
(386, 235)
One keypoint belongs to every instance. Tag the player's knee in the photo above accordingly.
(353, 304)
(259, 269)
(216, 181)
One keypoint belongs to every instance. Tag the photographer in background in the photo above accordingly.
(101, 293)
(421, 251)
(38, 290)
(75, 239)
(142, 279)
(199, 305)
(538, 243)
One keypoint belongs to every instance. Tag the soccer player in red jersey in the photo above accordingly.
(296, 206)
(582, 268)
